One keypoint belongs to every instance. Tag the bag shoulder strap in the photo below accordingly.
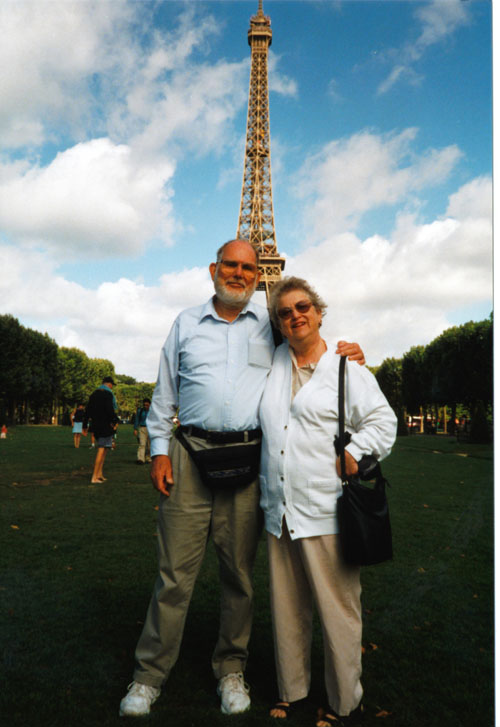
(342, 417)
(185, 443)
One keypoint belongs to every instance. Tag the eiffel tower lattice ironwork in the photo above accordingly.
(256, 220)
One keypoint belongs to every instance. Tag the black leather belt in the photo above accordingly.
(222, 437)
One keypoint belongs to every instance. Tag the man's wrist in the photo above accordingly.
(159, 445)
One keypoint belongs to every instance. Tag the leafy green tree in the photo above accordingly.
(130, 397)
(75, 377)
(460, 366)
(122, 379)
(414, 380)
(14, 372)
(480, 429)
(43, 371)
(99, 368)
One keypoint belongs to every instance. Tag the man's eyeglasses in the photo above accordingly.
(301, 307)
(230, 265)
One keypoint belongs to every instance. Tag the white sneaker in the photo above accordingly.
(139, 699)
(233, 693)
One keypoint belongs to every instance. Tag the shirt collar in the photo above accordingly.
(253, 309)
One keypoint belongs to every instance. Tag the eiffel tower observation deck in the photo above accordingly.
(256, 220)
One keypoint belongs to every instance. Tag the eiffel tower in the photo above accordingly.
(256, 221)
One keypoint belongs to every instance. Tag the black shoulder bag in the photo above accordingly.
(362, 511)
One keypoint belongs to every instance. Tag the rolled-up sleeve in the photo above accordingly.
(165, 399)
(369, 418)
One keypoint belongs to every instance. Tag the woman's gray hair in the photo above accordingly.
(286, 286)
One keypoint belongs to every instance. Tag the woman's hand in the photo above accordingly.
(351, 466)
(352, 351)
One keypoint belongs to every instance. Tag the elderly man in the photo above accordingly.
(213, 368)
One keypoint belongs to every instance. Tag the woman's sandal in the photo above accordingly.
(329, 718)
(285, 707)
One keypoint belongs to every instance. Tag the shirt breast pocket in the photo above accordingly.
(259, 354)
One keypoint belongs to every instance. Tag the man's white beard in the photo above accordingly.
(230, 297)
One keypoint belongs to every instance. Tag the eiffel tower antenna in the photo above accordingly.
(256, 221)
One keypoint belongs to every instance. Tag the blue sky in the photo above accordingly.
(122, 134)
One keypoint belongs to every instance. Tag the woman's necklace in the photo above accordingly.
(313, 356)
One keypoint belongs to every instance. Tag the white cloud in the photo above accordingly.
(128, 322)
(27, 276)
(49, 53)
(193, 108)
(97, 198)
(279, 82)
(437, 21)
(101, 69)
(387, 293)
(333, 91)
(473, 200)
(391, 294)
(399, 72)
(349, 177)
(125, 322)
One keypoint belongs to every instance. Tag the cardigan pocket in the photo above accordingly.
(322, 495)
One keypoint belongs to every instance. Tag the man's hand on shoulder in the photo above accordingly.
(161, 474)
(353, 351)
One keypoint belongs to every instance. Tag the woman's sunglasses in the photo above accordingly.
(301, 307)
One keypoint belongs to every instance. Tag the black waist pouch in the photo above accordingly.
(227, 466)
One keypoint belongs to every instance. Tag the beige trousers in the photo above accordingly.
(192, 514)
(143, 454)
(303, 571)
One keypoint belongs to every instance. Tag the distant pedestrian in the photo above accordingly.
(3, 432)
(101, 410)
(77, 421)
(141, 432)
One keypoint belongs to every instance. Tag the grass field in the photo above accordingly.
(78, 563)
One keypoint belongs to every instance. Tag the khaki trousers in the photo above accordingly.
(303, 571)
(186, 520)
(143, 453)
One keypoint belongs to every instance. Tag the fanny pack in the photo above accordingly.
(229, 466)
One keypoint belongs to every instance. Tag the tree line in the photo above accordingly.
(446, 384)
(41, 382)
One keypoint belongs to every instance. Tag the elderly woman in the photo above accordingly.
(300, 485)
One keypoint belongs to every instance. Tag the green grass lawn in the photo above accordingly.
(78, 563)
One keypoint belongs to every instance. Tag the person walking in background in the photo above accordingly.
(3, 432)
(77, 416)
(213, 368)
(101, 410)
(141, 432)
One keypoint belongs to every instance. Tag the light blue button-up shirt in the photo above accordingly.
(213, 371)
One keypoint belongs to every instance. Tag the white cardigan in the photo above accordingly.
(298, 474)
